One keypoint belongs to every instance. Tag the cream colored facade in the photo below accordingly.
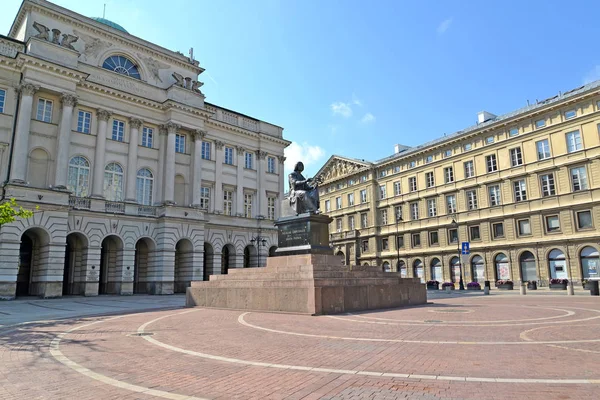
(526, 187)
(142, 186)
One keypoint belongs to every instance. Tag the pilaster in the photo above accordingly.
(134, 132)
(18, 170)
(64, 140)
(99, 155)
(218, 200)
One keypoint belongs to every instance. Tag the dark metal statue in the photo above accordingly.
(304, 193)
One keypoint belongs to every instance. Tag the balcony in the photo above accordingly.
(79, 203)
(147, 211)
(114, 207)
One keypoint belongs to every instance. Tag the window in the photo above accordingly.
(382, 192)
(248, 197)
(338, 203)
(548, 187)
(431, 208)
(524, 227)
(363, 178)
(414, 211)
(520, 190)
(492, 164)
(2, 99)
(271, 165)
(416, 239)
(113, 182)
(228, 202)
(448, 175)
(540, 123)
(400, 241)
(412, 184)
(249, 160)
(364, 220)
(428, 159)
(382, 173)
(579, 179)
(397, 188)
(433, 238)
(451, 204)
(229, 155)
(513, 132)
(147, 136)
(516, 157)
(338, 225)
(570, 114)
(429, 179)
(204, 197)
(412, 164)
(495, 199)
(467, 146)
(206, 150)
(452, 235)
(271, 207)
(144, 183)
(327, 205)
(543, 149)
(364, 246)
(447, 153)
(584, 219)
(79, 176)
(474, 233)
(363, 196)
(471, 199)
(574, 141)
(44, 110)
(498, 230)
(117, 130)
(84, 119)
(489, 140)
(350, 199)
(398, 213)
(383, 217)
(180, 143)
(552, 223)
(121, 65)
(385, 245)
(469, 169)
(396, 169)
(351, 224)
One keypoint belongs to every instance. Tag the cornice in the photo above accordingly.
(120, 94)
(23, 60)
(262, 136)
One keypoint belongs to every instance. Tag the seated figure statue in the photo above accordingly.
(304, 193)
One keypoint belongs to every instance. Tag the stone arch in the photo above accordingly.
(365, 264)
(436, 269)
(208, 260)
(477, 265)
(250, 256)
(589, 261)
(144, 262)
(527, 265)
(455, 269)
(38, 167)
(386, 267)
(557, 263)
(401, 267)
(180, 191)
(33, 251)
(183, 267)
(227, 258)
(418, 269)
(142, 69)
(272, 251)
(75, 265)
(502, 269)
(111, 264)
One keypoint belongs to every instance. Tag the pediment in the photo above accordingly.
(338, 167)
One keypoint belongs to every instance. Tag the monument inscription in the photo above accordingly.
(294, 234)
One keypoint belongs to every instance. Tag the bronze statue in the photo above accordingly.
(304, 193)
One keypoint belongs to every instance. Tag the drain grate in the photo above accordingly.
(141, 334)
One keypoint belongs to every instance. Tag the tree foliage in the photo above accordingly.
(10, 210)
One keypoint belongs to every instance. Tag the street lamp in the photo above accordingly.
(454, 224)
(398, 219)
(260, 241)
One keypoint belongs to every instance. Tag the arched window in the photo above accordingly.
(386, 267)
(436, 270)
(528, 266)
(113, 182)
(455, 269)
(402, 269)
(590, 259)
(558, 264)
(418, 270)
(502, 267)
(478, 269)
(79, 176)
(121, 65)
(144, 186)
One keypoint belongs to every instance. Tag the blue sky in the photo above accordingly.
(353, 77)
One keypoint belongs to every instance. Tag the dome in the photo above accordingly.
(111, 24)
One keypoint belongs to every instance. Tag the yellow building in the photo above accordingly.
(522, 188)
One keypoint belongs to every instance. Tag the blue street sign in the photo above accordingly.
(465, 248)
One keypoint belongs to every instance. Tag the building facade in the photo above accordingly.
(141, 185)
(522, 188)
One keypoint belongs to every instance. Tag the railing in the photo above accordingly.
(115, 207)
(9, 48)
(230, 118)
(147, 211)
(250, 125)
(79, 203)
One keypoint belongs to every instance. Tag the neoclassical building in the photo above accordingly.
(141, 185)
(522, 188)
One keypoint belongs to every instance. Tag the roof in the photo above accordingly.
(110, 23)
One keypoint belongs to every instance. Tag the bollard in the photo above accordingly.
(570, 289)
(594, 291)
(448, 289)
(523, 288)
(486, 290)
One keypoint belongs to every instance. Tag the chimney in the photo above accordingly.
(399, 148)
(484, 116)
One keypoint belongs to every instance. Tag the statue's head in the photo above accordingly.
(299, 167)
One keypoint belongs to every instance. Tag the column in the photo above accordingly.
(239, 196)
(169, 176)
(99, 155)
(283, 188)
(134, 134)
(197, 171)
(159, 179)
(261, 163)
(64, 140)
(218, 182)
(21, 143)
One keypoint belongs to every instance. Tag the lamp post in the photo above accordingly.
(454, 224)
(259, 240)
(398, 219)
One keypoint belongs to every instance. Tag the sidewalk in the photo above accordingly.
(441, 294)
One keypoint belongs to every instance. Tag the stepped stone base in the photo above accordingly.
(308, 284)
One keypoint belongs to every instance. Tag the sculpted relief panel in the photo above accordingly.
(339, 168)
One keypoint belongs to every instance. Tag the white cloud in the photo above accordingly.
(368, 118)
(443, 27)
(592, 75)
(342, 109)
(356, 101)
(308, 154)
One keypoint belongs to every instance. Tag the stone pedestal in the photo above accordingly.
(303, 234)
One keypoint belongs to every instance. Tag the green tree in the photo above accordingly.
(10, 210)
